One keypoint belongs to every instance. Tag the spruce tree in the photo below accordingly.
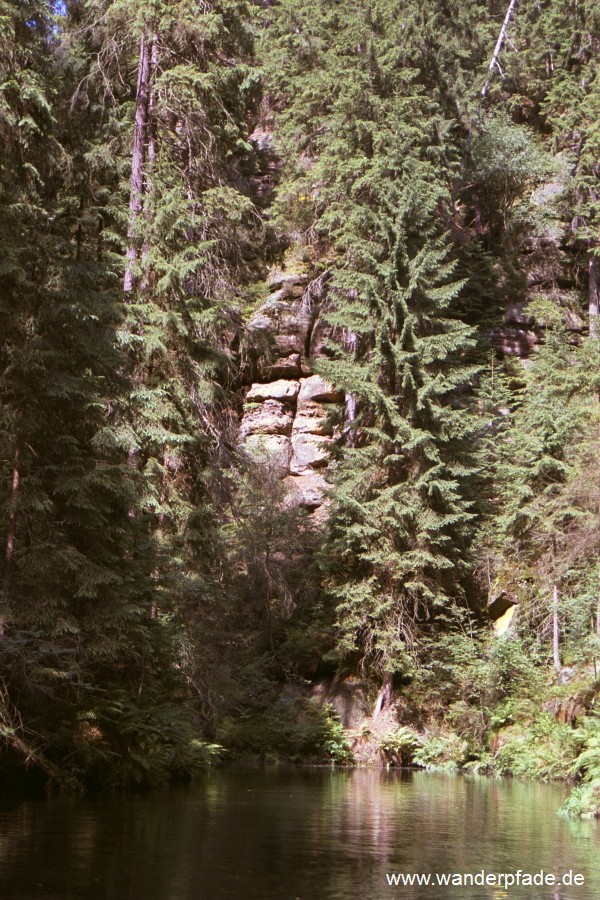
(111, 408)
(541, 521)
(76, 620)
(181, 195)
(400, 525)
(377, 170)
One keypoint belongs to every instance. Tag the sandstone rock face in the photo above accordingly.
(314, 418)
(270, 417)
(309, 451)
(289, 326)
(286, 323)
(274, 450)
(316, 388)
(307, 489)
(350, 697)
(291, 417)
(513, 340)
(285, 367)
(547, 276)
(278, 278)
(281, 389)
(320, 335)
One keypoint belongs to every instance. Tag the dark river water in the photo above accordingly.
(303, 834)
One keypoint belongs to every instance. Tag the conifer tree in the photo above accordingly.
(540, 517)
(93, 666)
(401, 518)
(181, 162)
(378, 168)
(75, 605)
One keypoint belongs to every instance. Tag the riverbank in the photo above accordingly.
(514, 720)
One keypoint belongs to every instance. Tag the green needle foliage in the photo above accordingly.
(401, 519)
(158, 157)
(376, 171)
(113, 411)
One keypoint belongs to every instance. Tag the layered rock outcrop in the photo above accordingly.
(292, 417)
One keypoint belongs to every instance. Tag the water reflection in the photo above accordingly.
(294, 835)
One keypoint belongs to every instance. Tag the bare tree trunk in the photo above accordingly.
(555, 630)
(138, 159)
(593, 296)
(10, 538)
(351, 397)
(498, 48)
(154, 53)
(598, 634)
(386, 694)
(473, 124)
(350, 417)
(151, 132)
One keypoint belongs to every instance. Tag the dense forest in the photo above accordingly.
(300, 386)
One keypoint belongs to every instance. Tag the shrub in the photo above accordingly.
(296, 730)
(584, 800)
(398, 747)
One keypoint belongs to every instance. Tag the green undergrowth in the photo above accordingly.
(297, 731)
(584, 800)
(113, 748)
(539, 747)
(398, 746)
(494, 707)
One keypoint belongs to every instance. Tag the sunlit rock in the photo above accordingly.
(282, 389)
(272, 450)
(270, 417)
(307, 489)
(309, 451)
(316, 388)
(314, 418)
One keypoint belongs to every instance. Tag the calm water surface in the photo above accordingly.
(294, 835)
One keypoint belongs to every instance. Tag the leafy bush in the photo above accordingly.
(121, 742)
(333, 737)
(583, 801)
(296, 730)
(441, 751)
(398, 747)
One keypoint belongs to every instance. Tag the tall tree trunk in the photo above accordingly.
(10, 538)
(597, 634)
(386, 694)
(555, 630)
(152, 104)
(593, 296)
(151, 128)
(138, 157)
(350, 418)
